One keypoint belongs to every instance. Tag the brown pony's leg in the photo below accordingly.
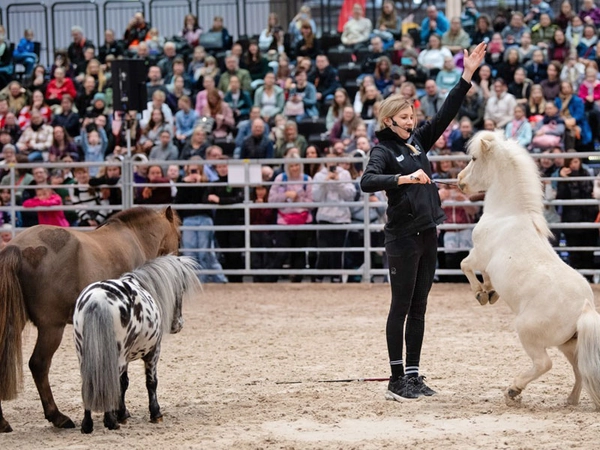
(47, 343)
(4, 425)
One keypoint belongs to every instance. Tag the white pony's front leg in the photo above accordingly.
(468, 266)
(487, 286)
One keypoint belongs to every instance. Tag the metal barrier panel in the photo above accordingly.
(228, 9)
(167, 15)
(118, 13)
(21, 16)
(65, 15)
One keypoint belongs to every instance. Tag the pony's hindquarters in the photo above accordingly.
(588, 351)
(98, 353)
(13, 317)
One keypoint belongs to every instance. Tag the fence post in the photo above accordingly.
(366, 277)
(247, 232)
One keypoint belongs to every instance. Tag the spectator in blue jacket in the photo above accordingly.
(238, 100)
(24, 52)
(572, 110)
(185, 120)
(536, 9)
(435, 23)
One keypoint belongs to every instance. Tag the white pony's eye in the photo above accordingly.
(473, 158)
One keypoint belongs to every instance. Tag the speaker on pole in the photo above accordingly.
(129, 84)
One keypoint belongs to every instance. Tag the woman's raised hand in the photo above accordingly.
(473, 61)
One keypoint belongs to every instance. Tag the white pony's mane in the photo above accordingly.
(509, 155)
(168, 278)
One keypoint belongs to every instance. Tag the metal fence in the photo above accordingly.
(366, 230)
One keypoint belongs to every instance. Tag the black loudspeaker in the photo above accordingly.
(129, 84)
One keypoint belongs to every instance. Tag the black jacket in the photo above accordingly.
(326, 82)
(411, 207)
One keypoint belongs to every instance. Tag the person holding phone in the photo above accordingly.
(333, 184)
(399, 165)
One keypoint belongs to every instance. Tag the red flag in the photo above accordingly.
(346, 12)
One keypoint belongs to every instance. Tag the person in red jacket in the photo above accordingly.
(59, 86)
(47, 197)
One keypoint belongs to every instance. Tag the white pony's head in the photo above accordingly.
(488, 157)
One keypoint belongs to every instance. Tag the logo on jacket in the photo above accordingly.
(400, 158)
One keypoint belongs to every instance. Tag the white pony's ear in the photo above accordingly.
(486, 145)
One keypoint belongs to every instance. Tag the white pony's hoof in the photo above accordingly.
(482, 298)
(512, 397)
(493, 296)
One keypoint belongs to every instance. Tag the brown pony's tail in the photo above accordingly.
(12, 320)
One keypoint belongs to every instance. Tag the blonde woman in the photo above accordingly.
(403, 171)
(94, 70)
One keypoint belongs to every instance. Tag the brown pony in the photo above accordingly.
(44, 269)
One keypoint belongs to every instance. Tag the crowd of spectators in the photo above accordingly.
(292, 93)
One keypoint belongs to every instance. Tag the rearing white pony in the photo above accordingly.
(553, 303)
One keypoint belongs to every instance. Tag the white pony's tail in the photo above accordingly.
(588, 351)
(99, 360)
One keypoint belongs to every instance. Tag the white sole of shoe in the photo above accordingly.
(389, 395)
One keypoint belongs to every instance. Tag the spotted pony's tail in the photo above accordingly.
(98, 358)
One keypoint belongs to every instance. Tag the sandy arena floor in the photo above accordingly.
(219, 380)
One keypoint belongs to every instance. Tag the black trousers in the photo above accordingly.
(412, 261)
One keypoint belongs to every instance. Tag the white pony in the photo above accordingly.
(553, 303)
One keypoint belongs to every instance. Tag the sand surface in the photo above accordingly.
(245, 373)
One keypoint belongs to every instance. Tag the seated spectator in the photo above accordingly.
(97, 107)
(245, 129)
(165, 150)
(500, 106)
(572, 110)
(257, 145)
(537, 69)
(185, 120)
(526, 48)
(151, 132)
(291, 139)
(61, 59)
(372, 96)
(512, 62)
(574, 31)
(537, 9)
(94, 70)
(144, 54)
(383, 74)
(435, 23)
(178, 90)
(36, 140)
(536, 104)
(559, 48)
(292, 186)
(269, 98)
(411, 71)
(302, 100)
(512, 33)
(589, 92)
(295, 25)
(333, 184)
(590, 13)
(232, 65)
(520, 87)
(85, 96)
(573, 70)
(461, 136)
(468, 18)
(77, 49)
(308, 45)
(196, 64)
(208, 83)
(16, 96)
(375, 52)
(67, 118)
(159, 195)
(24, 52)
(6, 58)
(196, 145)
(62, 144)
(551, 85)
(158, 102)
(519, 129)
(136, 31)
(191, 30)
(549, 131)
(155, 82)
(495, 52)
(38, 79)
(325, 79)
(47, 197)
(432, 57)
(565, 15)
(239, 101)
(265, 38)
(165, 64)
(311, 169)
(256, 64)
(448, 77)
(456, 39)
(217, 26)
(110, 47)
(193, 192)
(178, 70)
(543, 31)
(210, 69)
(38, 102)
(406, 43)
(389, 24)
(432, 101)
(343, 130)
(155, 42)
(283, 74)
(85, 195)
(221, 113)
(586, 48)
(334, 113)
(11, 126)
(483, 29)
(358, 29)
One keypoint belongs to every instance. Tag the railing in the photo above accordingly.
(366, 248)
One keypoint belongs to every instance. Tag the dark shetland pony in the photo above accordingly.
(42, 272)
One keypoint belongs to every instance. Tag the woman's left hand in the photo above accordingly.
(473, 61)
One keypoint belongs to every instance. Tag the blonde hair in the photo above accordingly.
(392, 106)
(101, 75)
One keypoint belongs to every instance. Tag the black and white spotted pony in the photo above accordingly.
(122, 320)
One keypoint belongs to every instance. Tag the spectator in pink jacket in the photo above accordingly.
(47, 197)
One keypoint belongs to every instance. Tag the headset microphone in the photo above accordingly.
(409, 130)
(394, 123)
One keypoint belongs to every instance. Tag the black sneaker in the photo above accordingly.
(425, 390)
(403, 388)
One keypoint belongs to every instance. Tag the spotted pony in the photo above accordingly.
(122, 320)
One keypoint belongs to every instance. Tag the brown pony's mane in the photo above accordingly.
(135, 216)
